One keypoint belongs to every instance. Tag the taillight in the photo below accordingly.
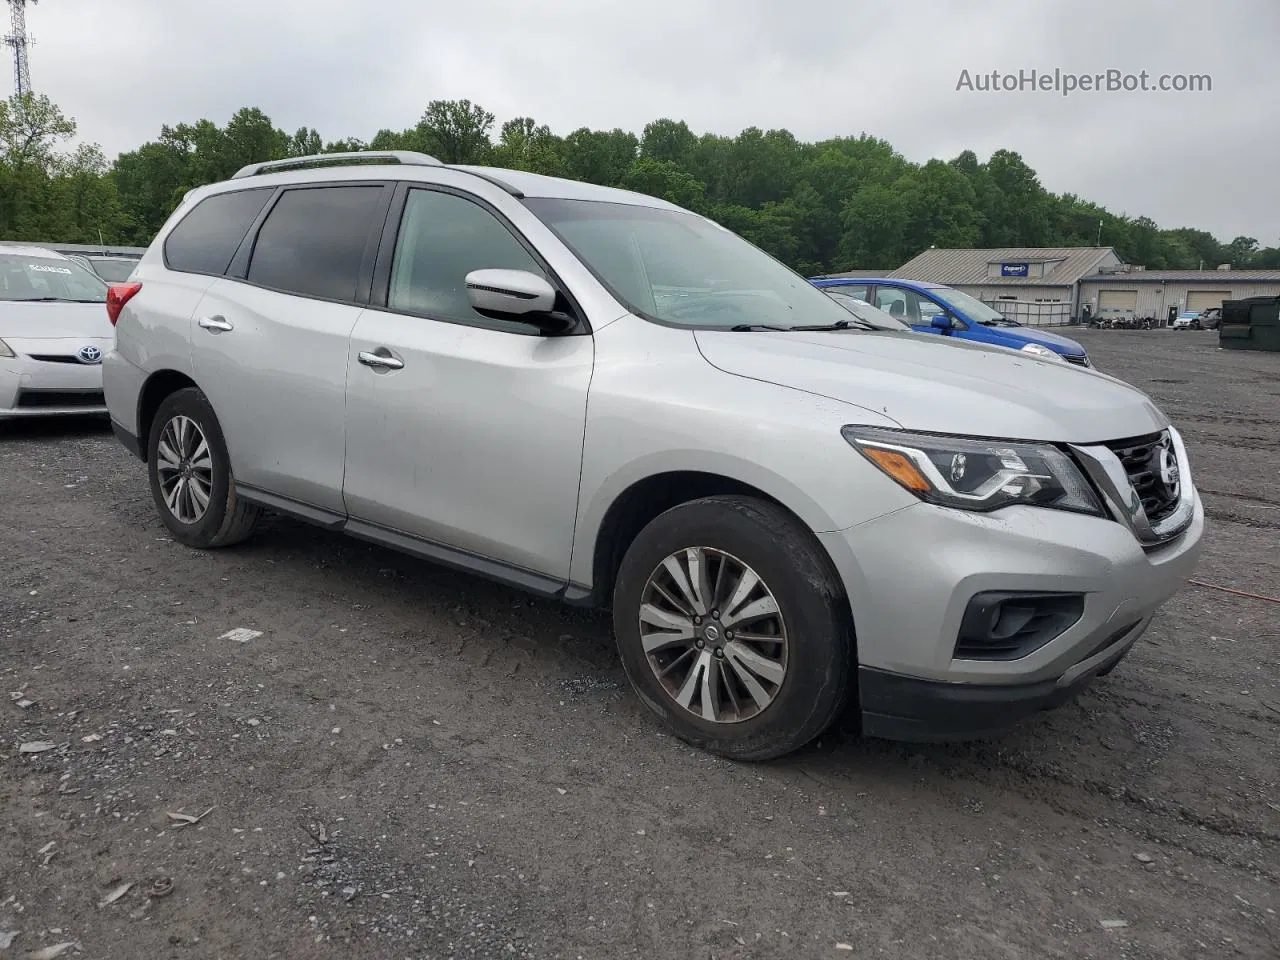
(118, 294)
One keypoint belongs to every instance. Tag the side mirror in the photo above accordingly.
(513, 292)
(941, 321)
(517, 295)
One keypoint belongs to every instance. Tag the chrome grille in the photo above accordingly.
(1141, 459)
(1078, 361)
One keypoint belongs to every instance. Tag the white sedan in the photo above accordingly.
(54, 333)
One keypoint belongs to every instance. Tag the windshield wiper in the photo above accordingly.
(53, 300)
(839, 325)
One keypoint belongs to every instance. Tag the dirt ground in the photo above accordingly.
(411, 763)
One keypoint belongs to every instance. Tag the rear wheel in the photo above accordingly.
(190, 474)
(733, 628)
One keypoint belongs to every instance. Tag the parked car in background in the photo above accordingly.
(110, 269)
(869, 315)
(934, 308)
(1186, 320)
(1209, 319)
(600, 397)
(54, 333)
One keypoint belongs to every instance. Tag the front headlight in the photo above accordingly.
(976, 474)
(1039, 351)
(6, 350)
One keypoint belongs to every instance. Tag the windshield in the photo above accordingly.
(113, 271)
(46, 278)
(972, 307)
(678, 268)
(866, 312)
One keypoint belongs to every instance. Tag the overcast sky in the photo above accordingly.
(820, 68)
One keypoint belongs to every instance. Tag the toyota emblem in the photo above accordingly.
(89, 354)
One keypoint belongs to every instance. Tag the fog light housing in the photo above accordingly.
(1008, 625)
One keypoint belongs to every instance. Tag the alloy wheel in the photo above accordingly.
(185, 469)
(714, 635)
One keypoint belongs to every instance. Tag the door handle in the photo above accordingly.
(214, 323)
(380, 360)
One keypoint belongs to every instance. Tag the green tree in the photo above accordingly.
(849, 201)
(665, 179)
(600, 156)
(456, 131)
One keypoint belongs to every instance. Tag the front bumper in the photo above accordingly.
(904, 708)
(911, 574)
(44, 388)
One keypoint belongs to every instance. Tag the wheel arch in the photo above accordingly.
(158, 386)
(643, 498)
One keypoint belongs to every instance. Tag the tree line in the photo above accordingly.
(831, 205)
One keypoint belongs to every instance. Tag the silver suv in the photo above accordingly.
(601, 397)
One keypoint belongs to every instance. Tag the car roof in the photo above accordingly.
(24, 250)
(519, 183)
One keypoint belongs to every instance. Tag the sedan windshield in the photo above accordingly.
(681, 269)
(972, 307)
(37, 279)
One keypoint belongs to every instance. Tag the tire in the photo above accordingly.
(225, 519)
(735, 532)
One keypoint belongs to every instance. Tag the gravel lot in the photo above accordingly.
(412, 763)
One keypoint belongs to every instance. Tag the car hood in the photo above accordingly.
(54, 321)
(1044, 337)
(942, 385)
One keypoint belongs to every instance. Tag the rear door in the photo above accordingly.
(269, 341)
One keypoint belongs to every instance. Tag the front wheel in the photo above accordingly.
(733, 628)
(190, 474)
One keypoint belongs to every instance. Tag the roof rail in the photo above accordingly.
(408, 157)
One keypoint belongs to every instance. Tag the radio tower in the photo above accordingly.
(17, 39)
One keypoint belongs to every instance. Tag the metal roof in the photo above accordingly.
(856, 274)
(968, 267)
(1187, 276)
(89, 249)
(29, 250)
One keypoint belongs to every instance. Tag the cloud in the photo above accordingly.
(819, 68)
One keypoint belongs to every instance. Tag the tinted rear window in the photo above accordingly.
(313, 241)
(206, 239)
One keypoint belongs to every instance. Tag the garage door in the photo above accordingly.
(1117, 301)
(1198, 300)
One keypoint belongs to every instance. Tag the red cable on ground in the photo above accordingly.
(1238, 593)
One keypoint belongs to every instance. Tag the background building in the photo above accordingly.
(1058, 285)
(1035, 285)
(1153, 293)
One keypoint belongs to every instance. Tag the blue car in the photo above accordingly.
(933, 308)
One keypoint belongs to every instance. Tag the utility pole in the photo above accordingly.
(18, 39)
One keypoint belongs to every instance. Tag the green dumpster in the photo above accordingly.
(1250, 324)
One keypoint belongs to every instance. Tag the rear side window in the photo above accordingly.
(205, 240)
(313, 241)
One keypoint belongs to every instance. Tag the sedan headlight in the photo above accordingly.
(1039, 351)
(979, 475)
(6, 350)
